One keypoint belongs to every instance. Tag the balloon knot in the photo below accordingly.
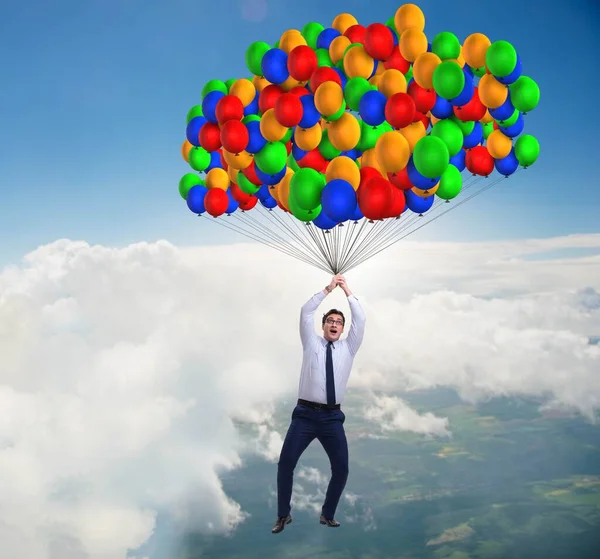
(420, 215)
(447, 201)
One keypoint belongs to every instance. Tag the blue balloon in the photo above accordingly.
(262, 192)
(274, 66)
(252, 108)
(269, 179)
(507, 165)
(342, 75)
(429, 47)
(372, 107)
(514, 75)
(215, 161)
(504, 111)
(416, 203)
(357, 215)
(515, 129)
(338, 200)
(468, 70)
(193, 129)
(475, 137)
(326, 37)
(298, 153)
(467, 92)
(394, 35)
(459, 160)
(417, 179)
(322, 221)
(352, 154)
(209, 105)
(233, 203)
(310, 115)
(268, 202)
(442, 108)
(195, 198)
(256, 140)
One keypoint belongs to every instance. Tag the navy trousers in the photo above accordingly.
(328, 427)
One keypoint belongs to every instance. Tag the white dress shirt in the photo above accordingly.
(313, 375)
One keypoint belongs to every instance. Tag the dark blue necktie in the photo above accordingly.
(329, 383)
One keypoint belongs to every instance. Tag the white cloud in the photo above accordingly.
(129, 378)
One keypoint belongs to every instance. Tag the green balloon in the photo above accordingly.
(229, 83)
(245, 184)
(292, 164)
(271, 158)
(214, 85)
(300, 213)
(326, 148)
(288, 136)
(186, 182)
(488, 128)
(450, 133)
(338, 115)
(501, 58)
(199, 158)
(431, 156)
(323, 58)
(465, 126)
(276, 45)
(195, 111)
(479, 72)
(409, 74)
(370, 134)
(450, 183)
(311, 32)
(527, 149)
(448, 79)
(355, 88)
(510, 120)
(524, 94)
(305, 187)
(250, 118)
(446, 45)
(254, 56)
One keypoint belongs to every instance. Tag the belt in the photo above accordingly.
(317, 405)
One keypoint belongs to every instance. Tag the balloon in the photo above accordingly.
(338, 47)
(372, 107)
(354, 90)
(338, 200)
(322, 221)
(271, 159)
(343, 21)
(527, 150)
(378, 41)
(244, 90)
(198, 158)
(450, 133)
(442, 108)
(397, 62)
(431, 156)
(498, 144)
(418, 204)
(357, 63)
(474, 137)
(214, 85)
(329, 97)
(473, 110)
(508, 165)
(186, 183)
(256, 141)
(391, 82)
(424, 98)
(311, 32)
(413, 42)
(210, 136)
(450, 183)
(233, 204)
(479, 161)
(254, 55)
(193, 129)
(446, 46)
(423, 69)
(234, 136)
(343, 168)
(409, 16)
(413, 133)
(195, 111)
(344, 133)
(274, 66)
(417, 179)
(305, 188)
(524, 94)
(216, 202)
(374, 197)
(501, 58)
(290, 40)
(392, 151)
(491, 92)
(288, 110)
(308, 139)
(448, 79)
(229, 107)
(195, 199)
(400, 110)
(270, 128)
(248, 204)
(474, 48)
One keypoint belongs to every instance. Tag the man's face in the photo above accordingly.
(333, 327)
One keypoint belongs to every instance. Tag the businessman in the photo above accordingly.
(326, 365)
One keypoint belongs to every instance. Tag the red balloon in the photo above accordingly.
(288, 110)
(400, 110)
(250, 173)
(397, 204)
(299, 91)
(479, 161)
(234, 136)
(356, 33)
(249, 204)
(281, 207)
(368, 173)
(423, 118)
(216, 202)
(324, 74)
(473, 110)
(400, 179)
(379, 41)
(288, 147)
(302, 62)
(210, 136)
(224, 163)
(268, 96)
(314, 160)
(374, 198)
(396, 61)
(228, 108)
(238, 194)
(424, 98)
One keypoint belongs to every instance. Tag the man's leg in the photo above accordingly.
(300, 434)
(333, 438)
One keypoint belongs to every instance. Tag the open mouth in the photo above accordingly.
(333, 331)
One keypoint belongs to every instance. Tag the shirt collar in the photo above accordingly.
(324, 342)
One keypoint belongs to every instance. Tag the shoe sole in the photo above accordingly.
(329, 525)
(283, 527)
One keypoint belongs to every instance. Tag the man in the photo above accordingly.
(326, 365)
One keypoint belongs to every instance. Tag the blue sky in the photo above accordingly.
(94, 96)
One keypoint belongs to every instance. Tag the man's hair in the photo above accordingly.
(334, 311)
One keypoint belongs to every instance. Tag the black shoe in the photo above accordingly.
(280, 524)
(331, 523)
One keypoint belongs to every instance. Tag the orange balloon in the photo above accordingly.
(413, 42)
(392, 81)
(375, 80)
(393, 151)
(338, 47)
(260, 83)
(423, 69)
(270, 128)
(409, 16)
(425, 193)
(380, 67)
(344, 133)
(290, 83)
(290, 40)
(342, 167)
(185, 150)
(492, 93)
(308, 139)
(357, 63)
(369, 159)
(432, 118)
(283, 189)
(237, 160)
(329, 97)
(474, 49)
(217, 178)
(244, 90)
(413, 133)
(461, 58)
(341, 22)
(498, 144)
(232, 172)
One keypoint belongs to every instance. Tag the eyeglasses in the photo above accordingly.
(337, 322)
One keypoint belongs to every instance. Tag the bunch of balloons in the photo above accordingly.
(350, 121)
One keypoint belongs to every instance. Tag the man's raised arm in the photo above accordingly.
(307, 312)
(357, 328)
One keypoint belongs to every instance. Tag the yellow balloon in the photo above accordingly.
(290, 83)
(498, 144)
(185, 150)
(341, 22)
(329, 97)
(413, 133)
(308, 138)
(344, 133)
(433, 119)
(423, 69)
(409, 16)
(324, 123)
(232, 173)
(338, 47)
(260, 83)
(492, 93)
(283, 189)
(427, 192)
(392, 151)
(369, 159)
(237, 160)
(413, 42)
(270, 128)
(392, 81)
(357, 63)
(342, 167)
(380, 67)
(290, 40)
(487, 117)
(217, 178)
(474, 49)
(461, 58)
(375, 80)
(244, 90)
